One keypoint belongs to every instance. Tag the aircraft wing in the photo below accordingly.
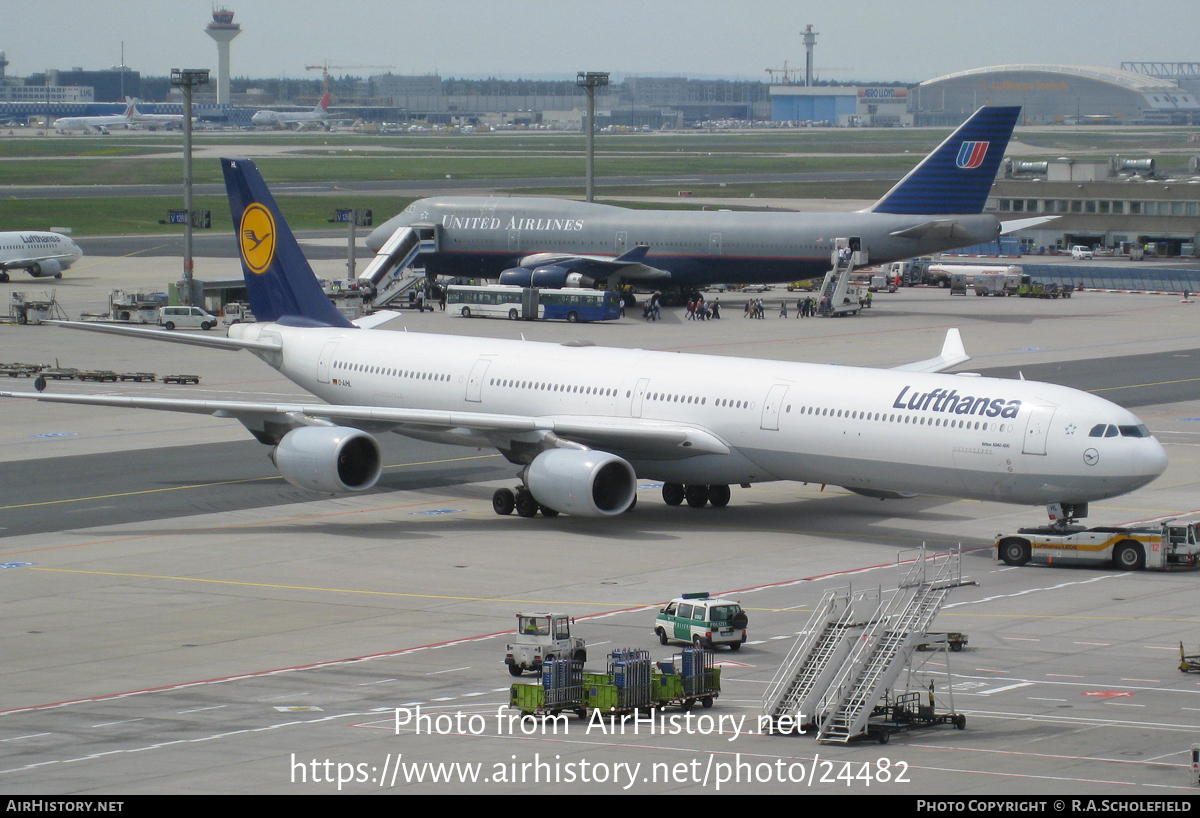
(953, 353)
(628, 265)
(21, 263)
(649, 439)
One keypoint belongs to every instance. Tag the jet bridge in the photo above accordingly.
(854, 648)
(843, 297)
(397, 254)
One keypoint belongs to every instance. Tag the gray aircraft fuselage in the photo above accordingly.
(483, 236)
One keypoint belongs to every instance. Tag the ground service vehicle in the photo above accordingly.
(1172, 544)
(702, 621)
(910, 272)
(540, 637)
(881, 282)
(572, 304)
(186, 318)
(1081, 252)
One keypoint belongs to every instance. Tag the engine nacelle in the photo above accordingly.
(329, 459)
(49, 267)
(516, 277)
(549, 276)
(580, 482)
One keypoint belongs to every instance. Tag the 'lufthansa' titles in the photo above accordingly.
(939, 400)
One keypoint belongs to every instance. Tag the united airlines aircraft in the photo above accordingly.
(582, 423)
(543, 242)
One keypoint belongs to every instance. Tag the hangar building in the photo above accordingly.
(1051, 94)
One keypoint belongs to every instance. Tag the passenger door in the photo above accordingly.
(770, 413)
(475, 381)
(1037, 428)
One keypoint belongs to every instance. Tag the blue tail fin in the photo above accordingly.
(280, 283)
(957, 177)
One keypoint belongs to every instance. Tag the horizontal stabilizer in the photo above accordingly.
(375, 319)
(1012, 225)
(170, 336)
(953, 353)
(935, 229)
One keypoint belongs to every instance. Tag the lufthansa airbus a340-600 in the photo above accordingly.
(544, 242)
(582, 423)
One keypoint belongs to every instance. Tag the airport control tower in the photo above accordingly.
(810, 40)
(223, 30)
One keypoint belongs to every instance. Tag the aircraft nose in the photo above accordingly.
(1152, 462)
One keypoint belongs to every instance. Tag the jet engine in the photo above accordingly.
(547, 277)
(516, 277)
(47, 268)
(581, 482)
(328, 459)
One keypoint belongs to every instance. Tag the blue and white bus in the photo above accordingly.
(575, 304)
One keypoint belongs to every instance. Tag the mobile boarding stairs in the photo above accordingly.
(854, 648)
(391, 271)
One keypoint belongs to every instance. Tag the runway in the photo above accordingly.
(181, 620)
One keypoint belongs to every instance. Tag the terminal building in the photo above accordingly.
(1057, 94)
(841, 105)
(1119, 204)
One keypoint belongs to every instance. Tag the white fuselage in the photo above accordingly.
(28, 249)
(283, 119)
(96, 124)
(866, 429)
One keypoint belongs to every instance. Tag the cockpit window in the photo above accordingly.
(1097, 430)
(1111, 431)
(1135, 431)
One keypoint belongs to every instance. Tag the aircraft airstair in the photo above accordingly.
(818, 653)
(886, 647)
(838, 296)
(385, 272)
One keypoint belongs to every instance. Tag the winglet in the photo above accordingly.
(636, 254)
(953, 353)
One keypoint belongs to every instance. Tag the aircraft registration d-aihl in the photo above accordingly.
(583, 422)
(40, 253)
(544, 242)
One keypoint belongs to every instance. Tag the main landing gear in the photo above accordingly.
(697, 496)
(504, 501)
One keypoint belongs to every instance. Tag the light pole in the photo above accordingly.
(589, 81)
(187, 79)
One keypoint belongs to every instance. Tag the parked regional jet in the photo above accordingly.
(317, 117)
(544, 242)
(96, 124)
(583, 423)
(38, 253)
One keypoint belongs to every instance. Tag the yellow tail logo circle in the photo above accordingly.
(256, 237)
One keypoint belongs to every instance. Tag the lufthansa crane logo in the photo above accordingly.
(256, 237)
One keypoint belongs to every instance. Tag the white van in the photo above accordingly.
(186, 318)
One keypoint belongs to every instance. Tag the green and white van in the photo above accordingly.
(702, 621)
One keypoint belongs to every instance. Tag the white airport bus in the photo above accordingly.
(572, 304)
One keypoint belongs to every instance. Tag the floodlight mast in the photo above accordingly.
(186, 79)
(589, 81)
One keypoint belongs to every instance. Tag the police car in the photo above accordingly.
(702, 621)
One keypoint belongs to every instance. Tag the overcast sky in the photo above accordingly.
(906, 40)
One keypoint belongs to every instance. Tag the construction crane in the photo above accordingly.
(325, 66)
